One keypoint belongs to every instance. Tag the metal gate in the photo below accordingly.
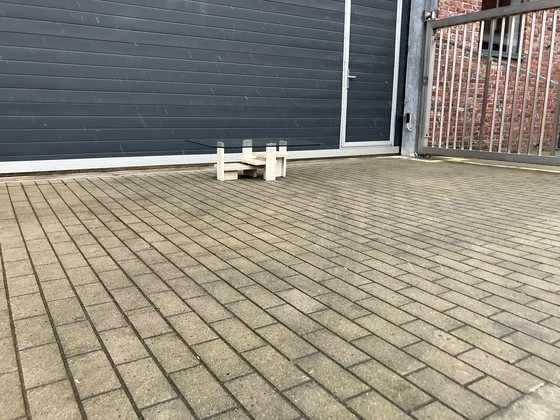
(492, 84)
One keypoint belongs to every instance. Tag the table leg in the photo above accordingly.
(284, 160)
(220, 164)
(270, 163)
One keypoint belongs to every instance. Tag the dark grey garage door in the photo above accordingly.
(98, 78)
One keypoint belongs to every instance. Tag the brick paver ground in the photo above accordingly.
(374, 288)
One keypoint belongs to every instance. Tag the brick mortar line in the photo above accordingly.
(84, 310)
(110, 294)
(349, 343)
(19, 368)
(473, 269)
(67, 369)
(467, 363)
(253, 329)
(191, 347)
(264, 327)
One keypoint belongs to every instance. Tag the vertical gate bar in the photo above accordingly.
(517, 72)
(426, 104)
(437, 68)
(548, 76)
(486, 84)
(537, 81)
(497, 85)
(460, 86)
(451, 91)
(475, 97)
(468, 88)
(444, 86)
(527, 79)
(554, 141)
(506, 86)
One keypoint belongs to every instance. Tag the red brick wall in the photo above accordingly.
(451, 123)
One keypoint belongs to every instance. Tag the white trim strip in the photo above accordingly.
(345, 71)
(147, 161)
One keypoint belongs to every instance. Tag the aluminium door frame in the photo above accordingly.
(347, 77)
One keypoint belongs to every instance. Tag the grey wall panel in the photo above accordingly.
(94, 78)
(110, 78)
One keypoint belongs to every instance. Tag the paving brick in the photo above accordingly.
(172, 353)
(427, 299)
(27, 306)
(315, 402)
(7, 355)
(106, 316)
(530, 328)
(128, 299)
(168, 303)
(342, 305)
(116, 404)
(221, 360)
(148, 322)
(281, 372)
(330, 375)
(54, 401)
(386, 330)
(261, 296)
(448, 365)
(437, 337)
(192, 328)
(388, 354)
(22, 285)
(208, 308)
(495, 391)
(294, 319)
(238, 335)
(436, 410)
(93, 374)
(371, 405)
(450, 393)
(535, 346)
(251, 314)
(11, 398)
(223, 292)
(286, 341)
(41, 365)
(123, 345)
(340, 325)
(505, 372)
(478, 321)
(301, 301)
(541, 368)
(175, 409)
(202, 392)
(470, 303)
(391, 385)
(260, 399)
(490, 344)
(146, 382)
(77, 338)
(32, 332)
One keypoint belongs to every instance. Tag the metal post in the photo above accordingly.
(527, 75)
(486, 84)
(515, 90)
(497, 85)
(537, 80)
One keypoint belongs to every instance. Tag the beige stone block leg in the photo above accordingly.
(220, 173)
(270, 163)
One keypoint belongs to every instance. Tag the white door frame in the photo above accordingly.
(346, 79)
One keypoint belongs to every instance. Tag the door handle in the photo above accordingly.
(348, 78)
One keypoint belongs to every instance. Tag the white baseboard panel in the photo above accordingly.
(139, 161)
